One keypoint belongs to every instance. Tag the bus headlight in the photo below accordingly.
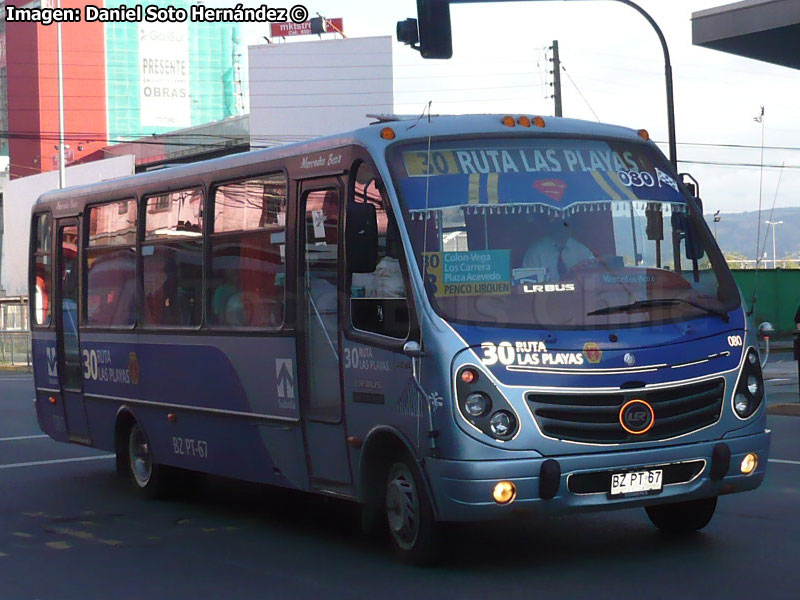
(749, 393)
(502, 424)
(752, 385)
(741, 404)
(483, 405)
(477, 404)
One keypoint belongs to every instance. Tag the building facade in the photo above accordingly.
(121, 81)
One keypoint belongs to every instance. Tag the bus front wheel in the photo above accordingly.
(682, 517)
(409, 514)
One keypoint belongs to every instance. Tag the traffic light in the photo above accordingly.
(317, 25)
(430, 32)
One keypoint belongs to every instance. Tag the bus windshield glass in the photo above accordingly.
(557, 233)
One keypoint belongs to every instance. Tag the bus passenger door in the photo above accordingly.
(318, 327)
(69, 360)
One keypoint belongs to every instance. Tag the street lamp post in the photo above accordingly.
(434, 23)
(61, 169)
(774, 247)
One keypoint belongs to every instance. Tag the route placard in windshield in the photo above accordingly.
(552, 232)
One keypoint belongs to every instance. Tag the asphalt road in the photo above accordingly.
(73, 530)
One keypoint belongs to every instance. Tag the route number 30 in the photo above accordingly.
(90, 369)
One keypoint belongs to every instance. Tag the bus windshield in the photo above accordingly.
(557, 233)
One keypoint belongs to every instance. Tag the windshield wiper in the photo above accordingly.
(657, 302)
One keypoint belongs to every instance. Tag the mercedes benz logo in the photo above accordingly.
(629, 359)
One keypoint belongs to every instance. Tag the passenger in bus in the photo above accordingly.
(226, 302)
(557, 250)
(388, 277)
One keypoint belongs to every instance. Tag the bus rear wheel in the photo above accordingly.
(682, 517)
(409, 514)
(147, 476)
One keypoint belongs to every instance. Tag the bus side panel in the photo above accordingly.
(50, 414)
(379, 391)
(220, 445)
(220, 391)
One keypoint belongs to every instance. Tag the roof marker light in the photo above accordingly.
(508, 121)
(388, 133)
(524, 121)
(643, 133)
(538, 121)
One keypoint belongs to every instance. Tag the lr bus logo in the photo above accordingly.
(636, 417)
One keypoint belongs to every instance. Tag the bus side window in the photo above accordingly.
(378, 299)
(41, 297)
(111, 265)
(248, 254)
(172, 259)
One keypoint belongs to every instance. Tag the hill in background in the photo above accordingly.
(736, 232)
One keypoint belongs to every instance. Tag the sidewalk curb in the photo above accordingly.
(784, 410)
(15, 369)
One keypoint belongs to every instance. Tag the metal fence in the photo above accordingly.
(15, 335)
(15, 348)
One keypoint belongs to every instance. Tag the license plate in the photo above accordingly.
(636, 481)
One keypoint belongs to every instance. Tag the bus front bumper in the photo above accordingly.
(462, 490)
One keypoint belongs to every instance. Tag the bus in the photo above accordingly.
(451, 318)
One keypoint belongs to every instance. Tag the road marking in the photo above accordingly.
(23, 437)
(55, 461)
(778, 379)
(784, 462)
(58, 545)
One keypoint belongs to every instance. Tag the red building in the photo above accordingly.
(32, 73)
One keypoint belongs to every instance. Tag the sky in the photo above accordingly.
(614, 73)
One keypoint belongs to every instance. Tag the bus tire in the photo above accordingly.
(413, 530)
(147, 476)
(682, 517)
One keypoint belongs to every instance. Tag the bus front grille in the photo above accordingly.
(594, 418)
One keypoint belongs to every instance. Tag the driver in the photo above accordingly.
(556, 251)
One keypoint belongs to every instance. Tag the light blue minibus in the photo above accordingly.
(451, 318)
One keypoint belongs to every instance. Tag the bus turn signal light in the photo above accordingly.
(388, 133)
(504, 492)
(468, 376)
(52, 399)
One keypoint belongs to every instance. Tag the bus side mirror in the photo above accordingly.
(681, 228)
(362, 237)
(430, 33)
(694, 251)
(693, 187)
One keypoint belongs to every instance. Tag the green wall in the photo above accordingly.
(778, 295)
